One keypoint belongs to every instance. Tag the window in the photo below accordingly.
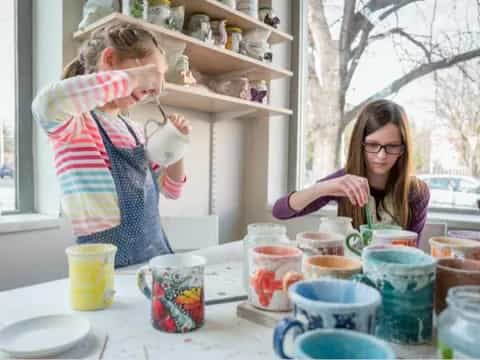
(16, 180)
(423, 55)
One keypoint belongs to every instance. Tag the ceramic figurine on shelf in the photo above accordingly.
(219, 32)
(259, 91)
(266, 15)
(183, 75)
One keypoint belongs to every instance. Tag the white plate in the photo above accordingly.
(43, 336)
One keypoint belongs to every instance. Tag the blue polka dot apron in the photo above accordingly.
(140, 235)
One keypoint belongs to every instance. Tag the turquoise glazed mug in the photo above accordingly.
(405, 278)
(339, 344)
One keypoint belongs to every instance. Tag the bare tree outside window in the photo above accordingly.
(422, 54)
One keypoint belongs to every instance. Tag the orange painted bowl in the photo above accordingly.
(331, 266)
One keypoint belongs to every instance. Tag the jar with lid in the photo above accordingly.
(262, 234)
(459, 324)
(234, 38)
(219, 32)
(159, 12)
(199, 27)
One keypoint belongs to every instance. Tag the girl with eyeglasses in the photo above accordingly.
(110, 188)
(378, 172)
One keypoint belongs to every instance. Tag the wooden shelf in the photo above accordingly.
(216, 10)
(208, 101)
(207, 59)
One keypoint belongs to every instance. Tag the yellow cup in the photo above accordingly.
(91, 271)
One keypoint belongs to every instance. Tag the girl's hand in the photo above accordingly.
(146, 79)
(355, 188)
(182, 124)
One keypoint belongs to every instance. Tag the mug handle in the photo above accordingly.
(354, 235)
(141, 281)
(145, 128)
(281, 330)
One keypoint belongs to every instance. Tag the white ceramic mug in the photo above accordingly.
(165, 144)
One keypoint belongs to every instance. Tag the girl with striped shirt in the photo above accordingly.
(109, 187)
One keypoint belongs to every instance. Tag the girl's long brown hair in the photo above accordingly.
(401, 181)
(129, 42)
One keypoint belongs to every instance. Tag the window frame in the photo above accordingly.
(24, 172)
(299, 94)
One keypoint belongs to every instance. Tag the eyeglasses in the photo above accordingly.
(375, 148)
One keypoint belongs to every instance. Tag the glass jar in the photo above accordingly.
(234, 38)
(135, 8)
(199, 27)
(248, 7)
(459, 324)
(230, 3)
(159, 12)
(262, 234)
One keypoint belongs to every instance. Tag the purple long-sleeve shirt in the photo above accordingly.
(417, 202)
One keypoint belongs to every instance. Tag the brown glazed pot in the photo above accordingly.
(454, 272)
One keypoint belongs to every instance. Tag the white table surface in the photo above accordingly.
(127, 322)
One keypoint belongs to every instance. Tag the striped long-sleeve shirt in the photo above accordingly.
(89, 197)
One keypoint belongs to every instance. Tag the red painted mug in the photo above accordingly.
(176, 293)
(272, 270)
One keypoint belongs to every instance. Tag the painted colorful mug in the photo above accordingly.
(405, 277)
(357, 241)
(272, 270)
(176, 293)
(91, 274)
(328, 304)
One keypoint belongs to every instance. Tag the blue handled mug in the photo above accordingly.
(405, 277)
(328, 304)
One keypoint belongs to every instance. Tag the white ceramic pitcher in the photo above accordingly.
(165, 143)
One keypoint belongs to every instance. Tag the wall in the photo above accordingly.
(240, 164)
